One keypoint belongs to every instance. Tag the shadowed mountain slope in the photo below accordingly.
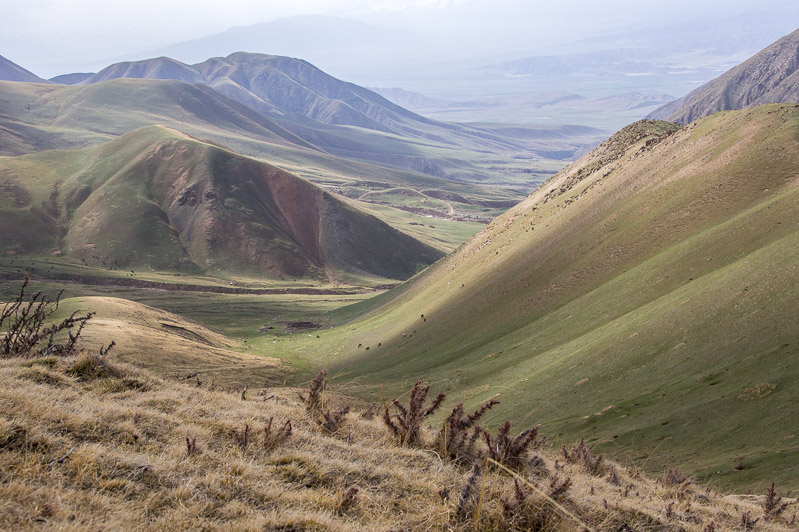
(647, 292)
(770, 76)
(13, 72)
(159, 199)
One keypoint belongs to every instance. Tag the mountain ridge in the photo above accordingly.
(10, 71)
(343, 118)
(770, 76)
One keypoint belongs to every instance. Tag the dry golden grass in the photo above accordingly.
(88, 442)
(171, 345)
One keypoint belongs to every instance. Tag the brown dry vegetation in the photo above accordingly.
(172, 345)
(90, 443)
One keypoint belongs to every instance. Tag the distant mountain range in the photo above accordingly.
(37, 117)
(72, 79)
(343, 118)
(771, 76)
(600, 63)
(278, 86)
(322, 37)
(409, 99)
(10, 71)
(156, 198)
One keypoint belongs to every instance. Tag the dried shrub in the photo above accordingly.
(406, 424)
(772, 504)
(22, 323)
(512, 452)
(90, 365)
(467, 495)
(331, 422)
(192, 449)
(315, 401)
(558, 488)
(370, 412)
(347, 500)
(584, 455)
(242, 437)
(459, 432)
(274, 437)
(675, 478)
(613, 477)
(523, 511)
(747, 521)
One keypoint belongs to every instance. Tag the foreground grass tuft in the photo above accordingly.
(171, 456)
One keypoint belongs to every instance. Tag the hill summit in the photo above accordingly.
(157, 198)
(10, 71)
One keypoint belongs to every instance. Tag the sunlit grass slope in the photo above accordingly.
(171, 345)
(644, 297)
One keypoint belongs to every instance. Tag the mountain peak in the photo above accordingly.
(770, 76)
(10, 71)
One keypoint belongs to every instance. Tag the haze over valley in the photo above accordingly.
(441, 265)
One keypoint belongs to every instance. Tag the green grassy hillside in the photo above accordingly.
(158, 199)
(37, 117)
(645, 296)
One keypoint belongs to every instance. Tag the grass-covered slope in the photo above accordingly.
(89, 443)
(35, 117)
(170, 345)
(156, 198)
(644, 297)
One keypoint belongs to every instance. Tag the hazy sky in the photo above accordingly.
(52, 37)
